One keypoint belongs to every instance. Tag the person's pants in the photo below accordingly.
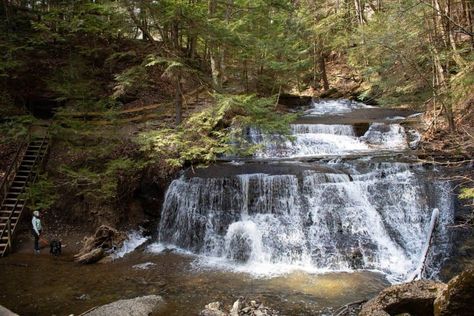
(37, 247)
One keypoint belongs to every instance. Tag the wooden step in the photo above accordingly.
(18, 185)
(16, 188)
(9, 205)
(25, 170)
(4, 214)
(5, 218)
(34, 152)
(12, 201)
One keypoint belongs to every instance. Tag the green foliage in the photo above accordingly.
(462, 83)
(16, 128)
(129, 81)
(467, 193)
(42, 194)
(213, 132)
(392, 53)
(101, 184)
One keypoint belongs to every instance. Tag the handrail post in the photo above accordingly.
(9, 234)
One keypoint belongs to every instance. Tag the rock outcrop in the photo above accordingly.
(139, 306)
(458, 297)
(415, 298)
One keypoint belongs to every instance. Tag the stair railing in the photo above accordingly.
(12, 169)
(9, 234)
(7, 228)
(37, 164)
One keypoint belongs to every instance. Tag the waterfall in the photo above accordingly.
(313, 221)
(324, 107)
(268, 218)
(318, 140)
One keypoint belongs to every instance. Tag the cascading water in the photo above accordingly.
(311, 221)
(338, 216)
(319, 140)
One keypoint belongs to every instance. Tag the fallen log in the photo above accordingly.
(417, 275)
(90, 257)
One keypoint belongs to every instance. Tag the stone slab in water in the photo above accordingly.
(139, 306)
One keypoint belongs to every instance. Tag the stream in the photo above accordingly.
(330, 214)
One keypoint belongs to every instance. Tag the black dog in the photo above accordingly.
(55, 247)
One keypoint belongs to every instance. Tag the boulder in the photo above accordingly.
(458, 297)
(415, 298)
(6, 312)
(139, 306)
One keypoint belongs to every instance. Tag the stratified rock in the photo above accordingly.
(458, 297)
(416, 298)
(6, 312)
(139, 306)
(213, 309)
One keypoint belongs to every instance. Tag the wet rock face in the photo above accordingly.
(241, 248)
(458, 297)
(415, 298)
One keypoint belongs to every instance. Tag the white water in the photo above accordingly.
(323, 107)
(317, 140)
(266, 225)
(133, 241)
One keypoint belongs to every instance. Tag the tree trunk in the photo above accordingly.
(214, 52)
(441, 83)
(178, 99)
(315, 66)
(138, 23)
(322, 68)
(449, 29)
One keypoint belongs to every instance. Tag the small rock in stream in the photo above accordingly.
(83, 297)
(241, 307)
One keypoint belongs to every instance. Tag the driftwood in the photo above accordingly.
(91, 256)
(421, 267)
(343, 310)
(96, 247)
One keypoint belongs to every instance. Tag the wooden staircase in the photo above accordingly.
(22, 173)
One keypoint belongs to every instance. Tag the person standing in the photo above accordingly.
(36, 222)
